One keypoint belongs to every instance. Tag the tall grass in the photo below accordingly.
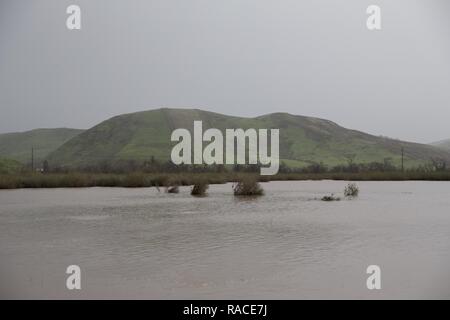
(81, 180)
(137, 180)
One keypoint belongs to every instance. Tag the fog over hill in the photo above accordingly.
(443, 144)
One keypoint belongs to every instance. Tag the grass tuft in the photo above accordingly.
(331, 198)
(351, 190)
(248, 186)
(173, 189)
(199, 188)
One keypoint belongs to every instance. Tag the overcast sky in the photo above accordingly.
(238, 57)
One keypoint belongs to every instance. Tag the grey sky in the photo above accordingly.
(238, 57)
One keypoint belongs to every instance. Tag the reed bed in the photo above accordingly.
(139, 180)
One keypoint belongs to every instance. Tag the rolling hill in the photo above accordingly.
(17, 146)
(8, 166)
(303, 140)
(444, 144)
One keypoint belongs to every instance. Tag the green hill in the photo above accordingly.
(8, 166)
(303, 140)
(444, 144)
(17, 145)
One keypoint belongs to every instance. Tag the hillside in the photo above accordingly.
(444, 144)
(303, 140)
(17, 145)
(8, 166)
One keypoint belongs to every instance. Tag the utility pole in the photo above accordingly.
(403, 157)
(32, 159)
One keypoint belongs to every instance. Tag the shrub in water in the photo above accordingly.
(173, 189)
(199, 188)
(331, 198)
(351, 190)
(248, 186)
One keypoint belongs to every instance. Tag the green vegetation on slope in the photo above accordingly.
(17, 145)
(304, 141)
(9, 166)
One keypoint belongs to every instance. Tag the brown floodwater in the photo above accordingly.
(139, 243)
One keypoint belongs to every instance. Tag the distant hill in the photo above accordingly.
(17, 145)
(444, 144)
(303, 140)
(8, 166)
